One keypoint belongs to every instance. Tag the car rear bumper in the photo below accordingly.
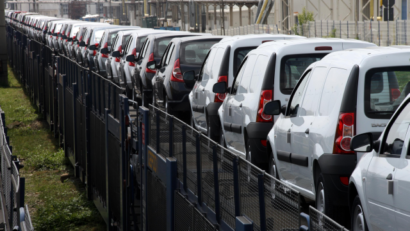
(256, 133)
(334, 166)
(180, 105)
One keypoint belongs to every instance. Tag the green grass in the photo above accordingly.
(54, 205)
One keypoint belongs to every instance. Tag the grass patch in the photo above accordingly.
(54, 205)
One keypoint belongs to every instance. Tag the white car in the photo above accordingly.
(221, 64)
(380, 184)
(267, 73)
(346, 93)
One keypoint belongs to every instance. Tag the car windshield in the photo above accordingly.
(195, 52)
(292, 68)
(385, 89)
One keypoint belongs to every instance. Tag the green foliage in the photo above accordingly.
(54, 205)
(66, 214)
(38, 159)
(303, 18)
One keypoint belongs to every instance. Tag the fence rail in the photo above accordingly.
(145, 169)
(15, 214)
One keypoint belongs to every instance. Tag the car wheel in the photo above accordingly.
(324, 200)
(358, 219)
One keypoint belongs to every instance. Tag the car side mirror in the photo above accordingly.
(272, 108)
(82, 43)
(116, 54)
(152, 65)
(92, 47)
(362, 143)
(104, 50)
(219, 88)
(130, 58)
(189, 78)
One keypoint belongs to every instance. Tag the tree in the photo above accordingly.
(303, 18)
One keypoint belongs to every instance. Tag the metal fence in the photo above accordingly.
(12, 197)
(382, 33)
(145, 161)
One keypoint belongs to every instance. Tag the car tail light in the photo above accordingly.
(266, 97)
(102, 54)
(394, 94)
(134, 53)
(323, 48)
(151, 58)
(265, 41)
(220, 97)
(344, 180)
(344, 133)
(264, 142)
(117, 59)
(176, 75)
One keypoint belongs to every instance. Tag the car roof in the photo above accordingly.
(244, 40)
(295, 45)
(370, 56)
(147, 32)
(169, 34)
(196, 38)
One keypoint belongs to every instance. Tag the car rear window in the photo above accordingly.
(385, 89)
(98, 35)
(194, 53)
(160, 46)
(58, 28)
(74, 31)
(239, 55)
(292, 67)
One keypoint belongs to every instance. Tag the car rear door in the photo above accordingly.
(401, 188)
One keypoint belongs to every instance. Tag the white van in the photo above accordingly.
(269, 72)
(346, 93)
(221, 64)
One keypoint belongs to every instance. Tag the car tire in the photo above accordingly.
(323, 201)
(358, 220)
(211, 131)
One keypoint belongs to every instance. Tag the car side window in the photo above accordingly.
(247, 75)
(145, 49)
(169, 55)
(202, 71)
(313, 92)
(164, 57)
(238, 78)
(297, 96)
(395, 134)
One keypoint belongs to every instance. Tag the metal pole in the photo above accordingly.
(388, 18)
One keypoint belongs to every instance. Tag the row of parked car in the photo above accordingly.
(290, 105)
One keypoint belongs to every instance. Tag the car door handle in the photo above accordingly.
(390, 184)
(307, 131)
(389, 177)
(203, 89)
(240, 105)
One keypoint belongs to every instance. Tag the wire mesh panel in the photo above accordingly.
(179, 134)
(187, 217)
(226, 186)
(207, 171)
(320, 221)
(114, 181)
(80, 142)
(191, 159)
(156, 203)
(163, 133)
(69, 121)
(98, 158)
(249, 193)
(15, 179)
(153, 127)
(281, 205)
